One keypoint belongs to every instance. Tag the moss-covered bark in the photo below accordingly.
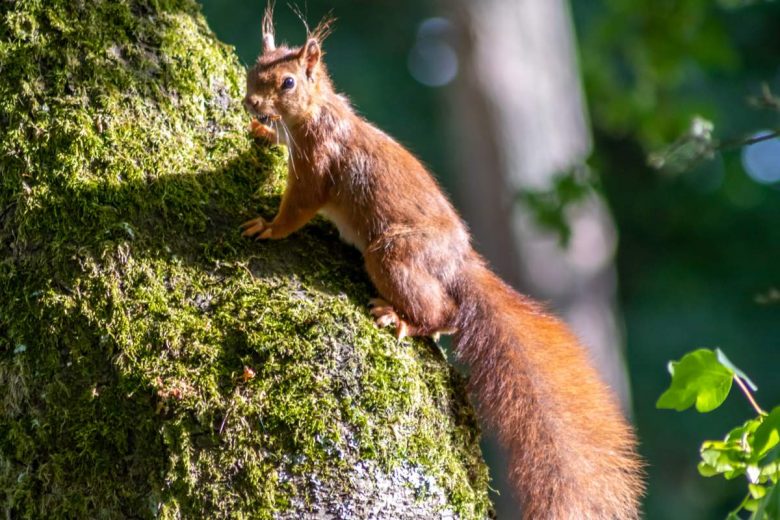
(130, 306)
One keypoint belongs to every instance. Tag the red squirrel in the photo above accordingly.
(571, 452)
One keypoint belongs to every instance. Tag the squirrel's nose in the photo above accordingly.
(251, 103)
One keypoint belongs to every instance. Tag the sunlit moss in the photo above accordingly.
(131, 306)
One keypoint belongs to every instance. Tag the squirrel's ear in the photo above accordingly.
(268, 28)
(310, 56)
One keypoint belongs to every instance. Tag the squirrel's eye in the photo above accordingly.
(288, 83)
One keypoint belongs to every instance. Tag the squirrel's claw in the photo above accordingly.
(257, 228)
(401, 329)
(385, 316)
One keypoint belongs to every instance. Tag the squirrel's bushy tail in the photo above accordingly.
(571, 452)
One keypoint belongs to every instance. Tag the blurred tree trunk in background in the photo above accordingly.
(520, 120)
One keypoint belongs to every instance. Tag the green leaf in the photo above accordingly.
(767, 434)
(768, 508)
(707, 470)
(726, 362)
(721, 462)
(771, 472)
(700, 378)
(734, 456)
(757, 491)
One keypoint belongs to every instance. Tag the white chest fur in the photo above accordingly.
(346, 229)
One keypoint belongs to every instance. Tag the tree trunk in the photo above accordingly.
(518, 110)
(152, 362)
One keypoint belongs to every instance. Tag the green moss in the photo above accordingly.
(131, 306)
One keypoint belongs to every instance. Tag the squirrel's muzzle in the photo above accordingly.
(267, 118)
(254, 106)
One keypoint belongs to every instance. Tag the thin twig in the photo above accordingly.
(245, 268)
(747, 141)
(749, 396)
(224, 420)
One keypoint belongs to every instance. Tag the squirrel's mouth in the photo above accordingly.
(268, 118)
(254, 109)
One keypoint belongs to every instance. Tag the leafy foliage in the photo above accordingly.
(691, 245)
(641, 55)
(698, 144)
(705, 377)
(549, 207)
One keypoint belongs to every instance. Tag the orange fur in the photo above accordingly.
(572, 454)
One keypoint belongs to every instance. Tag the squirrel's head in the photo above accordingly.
(285, 82)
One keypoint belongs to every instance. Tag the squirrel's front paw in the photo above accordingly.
(261, 131)
(257, 228)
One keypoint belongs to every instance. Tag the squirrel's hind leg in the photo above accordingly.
(414, 301)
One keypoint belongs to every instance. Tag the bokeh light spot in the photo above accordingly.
(432, 60)
(762, 160)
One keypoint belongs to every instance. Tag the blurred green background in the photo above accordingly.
(696, 248)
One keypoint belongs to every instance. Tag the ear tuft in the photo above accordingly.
(324, 28)
(268, 28)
